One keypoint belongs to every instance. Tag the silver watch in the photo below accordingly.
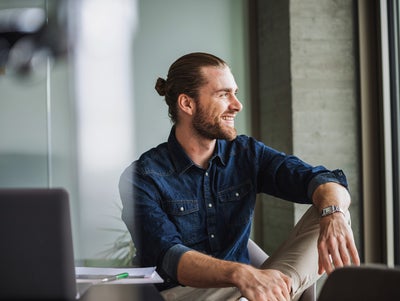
(330, 210)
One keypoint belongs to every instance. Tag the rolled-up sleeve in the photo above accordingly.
(336, 176)
(171, 260)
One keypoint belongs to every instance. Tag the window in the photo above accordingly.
(393, 10)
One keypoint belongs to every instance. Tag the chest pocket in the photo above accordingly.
(237, 203)
(185, 215)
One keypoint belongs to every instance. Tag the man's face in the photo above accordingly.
(217, 105)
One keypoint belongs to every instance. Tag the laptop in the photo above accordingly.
(36, 250)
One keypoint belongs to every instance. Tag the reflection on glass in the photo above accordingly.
(104, 102)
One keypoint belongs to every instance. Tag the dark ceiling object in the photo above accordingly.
(29, 36)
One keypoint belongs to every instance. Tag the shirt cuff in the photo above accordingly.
(171, 259)
(336, 176)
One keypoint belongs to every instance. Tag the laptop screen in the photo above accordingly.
(36, 253)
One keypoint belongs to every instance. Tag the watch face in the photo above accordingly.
(330, 210)
(327, 210)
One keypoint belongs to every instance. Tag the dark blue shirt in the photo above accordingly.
(171, 205)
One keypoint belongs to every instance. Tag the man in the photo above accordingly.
(189, 202)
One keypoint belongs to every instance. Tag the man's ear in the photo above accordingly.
(186, 104)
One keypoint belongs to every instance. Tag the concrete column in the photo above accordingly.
(308, 96)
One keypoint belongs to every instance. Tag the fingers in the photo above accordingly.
(272, 285)
(283, 292)
(336, 249)
(354, 253)
(288, 282)
(280, 289)
(284, 287)
(339, 254)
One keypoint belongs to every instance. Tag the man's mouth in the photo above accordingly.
(229, 119)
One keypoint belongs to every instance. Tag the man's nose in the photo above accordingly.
(235, 104)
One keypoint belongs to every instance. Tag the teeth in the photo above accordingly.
(227, 118)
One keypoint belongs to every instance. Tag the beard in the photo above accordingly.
(212, 129)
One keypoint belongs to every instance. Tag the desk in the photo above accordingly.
(122, 292)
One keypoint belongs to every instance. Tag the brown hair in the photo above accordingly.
(184, 76)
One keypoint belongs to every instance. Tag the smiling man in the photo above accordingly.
(189, 202)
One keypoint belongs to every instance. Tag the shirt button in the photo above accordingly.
(181, 209)
(206, 174)
(210, 205)
(212, 235)
(237, 194)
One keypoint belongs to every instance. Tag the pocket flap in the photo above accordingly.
(235, 193)
(182, 207)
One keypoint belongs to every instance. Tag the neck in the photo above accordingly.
(199, 149)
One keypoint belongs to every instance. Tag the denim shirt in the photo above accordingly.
(171, 205)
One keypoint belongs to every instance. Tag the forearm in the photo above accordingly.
(200, 270)
(329, 194)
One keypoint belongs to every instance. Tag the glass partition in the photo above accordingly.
(66, 115)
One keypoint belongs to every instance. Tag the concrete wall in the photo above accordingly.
(308, 96)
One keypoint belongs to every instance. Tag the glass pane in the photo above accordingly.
(23, 124)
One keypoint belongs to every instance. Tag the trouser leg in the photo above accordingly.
(185, 293)
(297, 257)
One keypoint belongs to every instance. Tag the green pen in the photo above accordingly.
(115, 277)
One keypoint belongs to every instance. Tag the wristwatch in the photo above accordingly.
(330, 210)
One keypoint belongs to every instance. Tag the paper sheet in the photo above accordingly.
(136, 275)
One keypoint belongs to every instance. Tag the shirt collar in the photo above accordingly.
(221, 151)
(182, 161)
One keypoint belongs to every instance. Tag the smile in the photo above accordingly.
(228, 118)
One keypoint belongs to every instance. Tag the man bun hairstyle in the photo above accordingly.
(160, 86)
(185, 77)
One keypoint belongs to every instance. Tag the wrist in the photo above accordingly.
(238, 273)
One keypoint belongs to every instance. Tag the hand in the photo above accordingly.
(200, 270)
(336, 247)
(261, 285)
